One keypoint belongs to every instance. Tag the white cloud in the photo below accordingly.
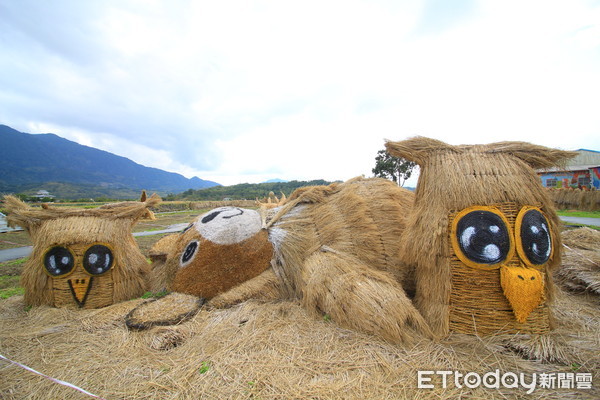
(246, 91)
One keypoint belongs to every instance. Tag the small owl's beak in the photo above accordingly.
(80, 288)
(524, 289)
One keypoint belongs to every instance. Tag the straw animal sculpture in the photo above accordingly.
(82, 258)
(475, 247)
(271, 201)
(335, 248)
(483, 235)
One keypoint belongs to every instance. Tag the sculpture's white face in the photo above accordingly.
(228, 225)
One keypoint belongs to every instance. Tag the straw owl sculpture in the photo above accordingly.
(471, 251)
(483, 236)
(82, 258)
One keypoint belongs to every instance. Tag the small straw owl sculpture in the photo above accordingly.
(82, 258)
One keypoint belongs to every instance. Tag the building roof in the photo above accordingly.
(585, 157)
(569, 168)
(585, 160)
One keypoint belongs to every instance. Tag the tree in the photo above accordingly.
(395, 168)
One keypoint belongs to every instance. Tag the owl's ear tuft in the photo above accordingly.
(538, 157)
(19, 213)
(418, 149)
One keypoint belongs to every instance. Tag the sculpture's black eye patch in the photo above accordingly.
(210, 217)
(214, 214)
(483, 237)
(535, 237)
(98, 259)
(58, 261)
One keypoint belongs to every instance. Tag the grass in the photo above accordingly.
(9, 292)
(10, 240)
(580, 214)
(12, 267)
(9, 286)
(204, 367)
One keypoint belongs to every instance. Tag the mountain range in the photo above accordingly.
(30, 161)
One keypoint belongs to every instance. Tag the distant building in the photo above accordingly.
(582, 172)
(43, 194)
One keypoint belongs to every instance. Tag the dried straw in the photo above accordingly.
(271, 351)
(580, 270)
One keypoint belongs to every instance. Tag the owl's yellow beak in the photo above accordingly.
(80, 287)
(524, 289)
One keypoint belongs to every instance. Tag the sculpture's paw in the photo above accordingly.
(171, 309)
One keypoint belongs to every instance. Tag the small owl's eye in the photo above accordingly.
(535, 241)
(189, 252)
(59, 261)
(482, 237)
(98, 259)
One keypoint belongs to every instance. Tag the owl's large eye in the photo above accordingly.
(98, 259)
(534, 241)
(59, 261)
(481, 238)
(189, 252)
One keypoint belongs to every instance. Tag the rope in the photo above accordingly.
(581, 255)
(67, 384)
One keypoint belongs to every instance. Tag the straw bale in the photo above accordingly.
(582, 238)
(76, 231)
(272, 350)
(575, 199)
(580, 269)
(453, 178)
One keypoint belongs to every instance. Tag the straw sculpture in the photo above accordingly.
(473, 252)
(84, 258)
(483, 236)
(335, 248)
(271, 201)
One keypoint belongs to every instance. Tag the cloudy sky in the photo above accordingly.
(245, 91)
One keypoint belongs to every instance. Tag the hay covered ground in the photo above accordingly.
(276, 351)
